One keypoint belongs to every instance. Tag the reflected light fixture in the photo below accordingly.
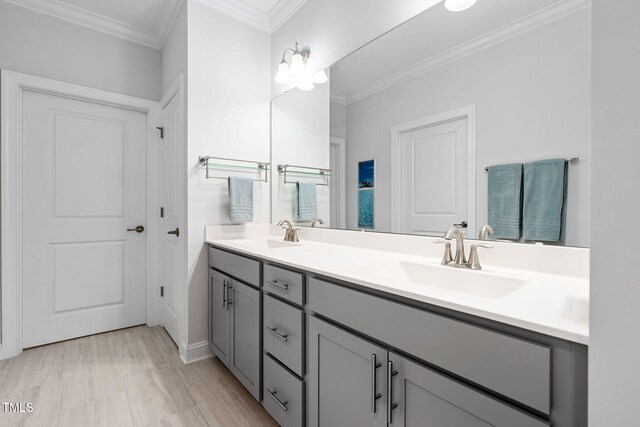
(458, 5)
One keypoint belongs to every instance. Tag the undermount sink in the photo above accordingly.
(476, 283)
(267, 243)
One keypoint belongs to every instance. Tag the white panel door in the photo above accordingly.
(84, 185)
(434, 178)
(169, 203)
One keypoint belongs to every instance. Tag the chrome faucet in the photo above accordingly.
(460, 259)
(317, 221)
(484, 232)
(290, 234)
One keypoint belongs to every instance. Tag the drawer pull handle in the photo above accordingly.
(228, 300)
(374, 383)
(281, 404)
(275, 332)
(224, 294)
(390, 405)
(283, 285)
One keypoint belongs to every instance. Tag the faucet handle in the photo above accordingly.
(474, 261)
(447, 258)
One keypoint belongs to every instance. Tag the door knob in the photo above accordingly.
(463, 224)
(138, 229)
(175, 232)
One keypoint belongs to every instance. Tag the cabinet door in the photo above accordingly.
(422, 397)
(346, 378)
(246, 343)
(219, 315)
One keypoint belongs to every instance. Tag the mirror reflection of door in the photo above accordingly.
(434, 177)
(337, 184)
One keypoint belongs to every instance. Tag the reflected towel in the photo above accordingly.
(505, 200)
(306, 207)
(240, 199)
(545, 188)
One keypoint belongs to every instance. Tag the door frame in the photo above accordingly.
(468, 112)
(12, 87)
(340, 143)
(177, 90)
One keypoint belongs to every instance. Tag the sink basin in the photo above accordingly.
(266, 243)
(476, 283)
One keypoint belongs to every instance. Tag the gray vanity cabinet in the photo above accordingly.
(346, 379)
(235, 317)
(219, 325)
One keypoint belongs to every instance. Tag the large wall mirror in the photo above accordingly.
(451, 118)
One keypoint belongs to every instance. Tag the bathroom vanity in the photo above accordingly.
(362, 336)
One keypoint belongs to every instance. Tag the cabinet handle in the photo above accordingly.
(227, 294)
(224, 294)
(283, 285)
(390, 405)
(275, 332)
(374, 383)
(281, 404)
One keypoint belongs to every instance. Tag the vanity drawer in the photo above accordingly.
(283, 394)
(282, 335)
(284, 283)
(245, 269)
(512, 367)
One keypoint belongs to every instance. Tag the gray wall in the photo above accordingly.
(532, 97)
(614, 352)
(37, 44)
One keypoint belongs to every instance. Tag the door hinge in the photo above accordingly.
(161, 129)
(161, 212)
(162, 291)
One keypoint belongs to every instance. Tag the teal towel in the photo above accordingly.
(505, 200)
(240, 199)
(306, 206)
(545, 185)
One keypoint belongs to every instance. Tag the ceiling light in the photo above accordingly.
(458, 5)
(320, 78)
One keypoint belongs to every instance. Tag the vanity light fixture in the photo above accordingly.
(297, 73)
(458, 5)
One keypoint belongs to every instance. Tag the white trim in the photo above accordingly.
(177, 90)
(338, 98)
(12, 87)
(342, 188)
(194, 352)
(468, 112)
(282, 11)
(240, 12)
(79, 16)
(535, 20)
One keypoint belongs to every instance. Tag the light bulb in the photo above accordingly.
(320, 78)
(283, 76)
(458, 5)
(297, 65)
(306, 85)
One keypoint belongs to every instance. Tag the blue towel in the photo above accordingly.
(240, 199)
(545, 185)
(505, 200)
(306, 206)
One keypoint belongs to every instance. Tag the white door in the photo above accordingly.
(337, 185)
(84, 185)
(169, 221)
(434, 178)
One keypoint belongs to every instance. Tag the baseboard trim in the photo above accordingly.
(194, 352)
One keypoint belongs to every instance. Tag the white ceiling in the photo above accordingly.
(437, 37)
(148, 21)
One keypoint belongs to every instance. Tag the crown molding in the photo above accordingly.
(338, 98)
(530, 22)
(168, 19)
(240, 12)
(282, 11)
(90, 20)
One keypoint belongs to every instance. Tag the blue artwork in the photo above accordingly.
(366, 194)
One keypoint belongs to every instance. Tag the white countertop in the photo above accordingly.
(551, 304)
